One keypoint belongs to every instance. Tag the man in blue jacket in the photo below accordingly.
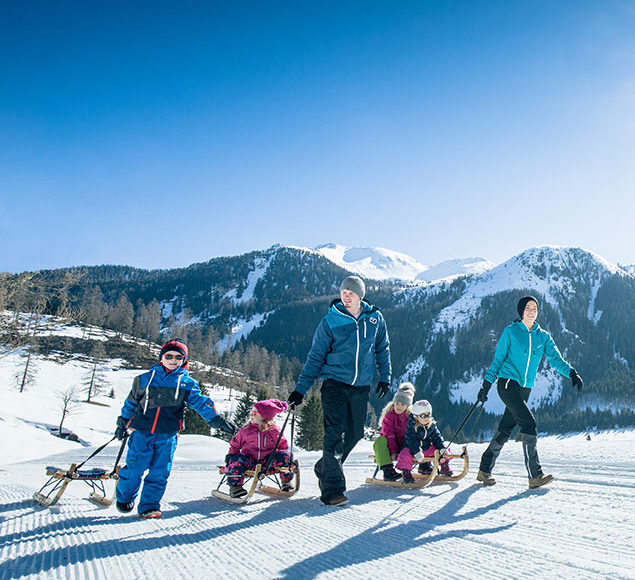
(350, 342)
(154, 412)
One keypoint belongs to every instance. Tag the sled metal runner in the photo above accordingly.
(256, 480)
(59, 479)
(425, 480)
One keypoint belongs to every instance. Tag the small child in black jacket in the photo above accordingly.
(422, 439)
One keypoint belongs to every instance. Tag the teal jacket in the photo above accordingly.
(519, 352)
(348, 349)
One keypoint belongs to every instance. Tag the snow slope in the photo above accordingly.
(581, 526)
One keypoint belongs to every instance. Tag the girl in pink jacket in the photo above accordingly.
(391, 440)
(254, 442)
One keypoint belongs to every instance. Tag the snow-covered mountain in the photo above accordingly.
(384, 264)
(451, 269)
(374, 263)
(551, 271)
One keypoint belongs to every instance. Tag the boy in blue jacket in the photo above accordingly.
(154, 413)
(350, 343)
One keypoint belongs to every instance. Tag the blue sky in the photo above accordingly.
(158, 134)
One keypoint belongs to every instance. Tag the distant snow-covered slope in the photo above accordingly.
(384, 264)
(375, 263)
(453, 268)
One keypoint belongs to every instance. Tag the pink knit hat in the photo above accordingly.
(270, 408)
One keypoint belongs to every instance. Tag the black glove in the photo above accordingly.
(382, 389)
(122, 429)
(576, 379)
(295, 399)
(482, 394)
(219, 423)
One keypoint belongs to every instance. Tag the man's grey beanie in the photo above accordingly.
(404, 395)
(354, 284)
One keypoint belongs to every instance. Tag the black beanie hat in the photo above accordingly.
(520, 307)
(176, 345)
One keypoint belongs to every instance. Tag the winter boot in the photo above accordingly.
(150, 514)
(125, 507)
(286, 486)
(424, 468)
(338, 501)
(407, 476)
(535, 482)
(389, 473)
(485, 478)
(445, 469)
(237, 491)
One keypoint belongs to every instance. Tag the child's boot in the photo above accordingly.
(237, 491)
(424, 468)
(389, 473)
(407, 476)
(445, 469)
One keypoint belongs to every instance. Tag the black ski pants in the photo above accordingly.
(344, 408)
(517, 412)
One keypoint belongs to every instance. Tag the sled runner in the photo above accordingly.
(258, 480)
(59, 478)
(265, 478)
(425, 480)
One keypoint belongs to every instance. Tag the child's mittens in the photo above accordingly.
(419, 457)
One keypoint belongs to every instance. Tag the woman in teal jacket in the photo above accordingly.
(518, 354)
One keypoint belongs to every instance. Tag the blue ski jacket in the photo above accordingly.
(519, 352)
(156, 402)
(347, 349)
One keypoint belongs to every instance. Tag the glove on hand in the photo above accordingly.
(295, 399)
(419, 457)
(382, 388)
(442, 453)
(219, 423)
(482, 394)
(576, 379)
(121, 430)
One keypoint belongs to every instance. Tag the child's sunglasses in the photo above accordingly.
(173, 356)
(424, 415)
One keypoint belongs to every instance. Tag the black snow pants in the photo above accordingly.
(344, 409)
(518, 413)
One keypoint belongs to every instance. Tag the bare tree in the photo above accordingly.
(68, 403)
(26, 377)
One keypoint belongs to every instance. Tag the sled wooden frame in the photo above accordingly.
(256, 481)
(50, 493)
(426, 480)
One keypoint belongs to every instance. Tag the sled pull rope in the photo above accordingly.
(275, 447)
(98, 450)
(465, 421)
(121, 448)
(292, 430)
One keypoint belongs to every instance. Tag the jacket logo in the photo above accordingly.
(373, 320)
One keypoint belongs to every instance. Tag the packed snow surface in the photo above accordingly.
(580, 526)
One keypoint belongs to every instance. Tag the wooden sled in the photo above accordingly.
(54, 488)
(425, 480)
(257, 481)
